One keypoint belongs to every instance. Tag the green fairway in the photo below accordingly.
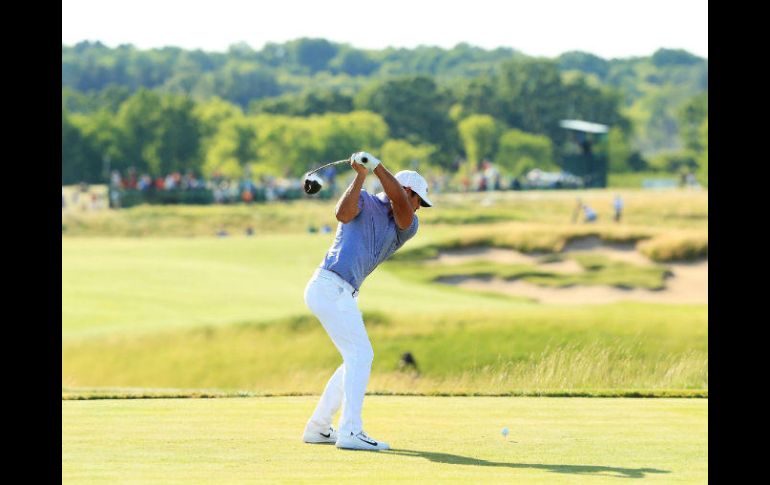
(433, 439)
(130, 285)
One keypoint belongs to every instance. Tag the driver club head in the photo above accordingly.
(313, 184)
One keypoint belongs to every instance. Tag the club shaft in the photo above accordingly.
(328, 165)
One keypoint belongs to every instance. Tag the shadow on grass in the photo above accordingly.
(610, 471)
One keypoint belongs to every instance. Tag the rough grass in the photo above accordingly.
(87, 394)
(676, 246)
(655, 209)
(191, 220)
(634, 180)
(619, 346)
(433, 440)
(658, 244)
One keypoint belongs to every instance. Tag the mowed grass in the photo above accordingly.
(618, 347)
(156, 284)
(433, 440)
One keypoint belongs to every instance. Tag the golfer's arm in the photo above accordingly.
(402, 210)
(347, 207)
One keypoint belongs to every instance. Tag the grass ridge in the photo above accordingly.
(93, 394)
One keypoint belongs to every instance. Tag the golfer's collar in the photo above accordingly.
(383, 197)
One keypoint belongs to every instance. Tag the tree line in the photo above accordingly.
(290, 106)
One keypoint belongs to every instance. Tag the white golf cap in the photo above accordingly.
(416, 182)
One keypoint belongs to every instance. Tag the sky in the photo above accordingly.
(548, 28)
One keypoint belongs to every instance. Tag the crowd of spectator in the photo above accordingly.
(131, 188)
(224, 190)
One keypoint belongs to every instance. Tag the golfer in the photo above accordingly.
(372, 227)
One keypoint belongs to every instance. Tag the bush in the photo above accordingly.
(674, 162)
(132, 197)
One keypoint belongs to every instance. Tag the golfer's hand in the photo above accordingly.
(366, 159)
(360, 169)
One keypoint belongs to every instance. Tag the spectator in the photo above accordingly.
(194, 182)
(590, 215)
(618, 206)
(115, 197)
(145, 183)
(115, 179)
(691, 180)
(491, 176)
(131, 183)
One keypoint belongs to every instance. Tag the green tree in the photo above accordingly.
(177, 143)
(520, 152)
(158, 134)
(532, 97)
(480, 96)
(402, 155)
(287, 145)
(415, 110)
(673, 57)
(691, 117)
(233, 147)
(75, 166)
(354, 62)
(340, 135)
(138, 121)
(675, 161)
(618, 151)
(703, 158)
(241, 82)
(479, 134)
(312, 54)
(292, 145)
(584, 62)
(213, 113)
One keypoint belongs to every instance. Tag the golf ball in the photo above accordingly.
(504, 432)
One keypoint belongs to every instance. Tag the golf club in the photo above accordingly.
(313, 182)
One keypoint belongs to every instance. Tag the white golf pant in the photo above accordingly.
(331, 299)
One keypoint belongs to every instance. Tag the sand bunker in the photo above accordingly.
(506, 256)
(689, 283)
